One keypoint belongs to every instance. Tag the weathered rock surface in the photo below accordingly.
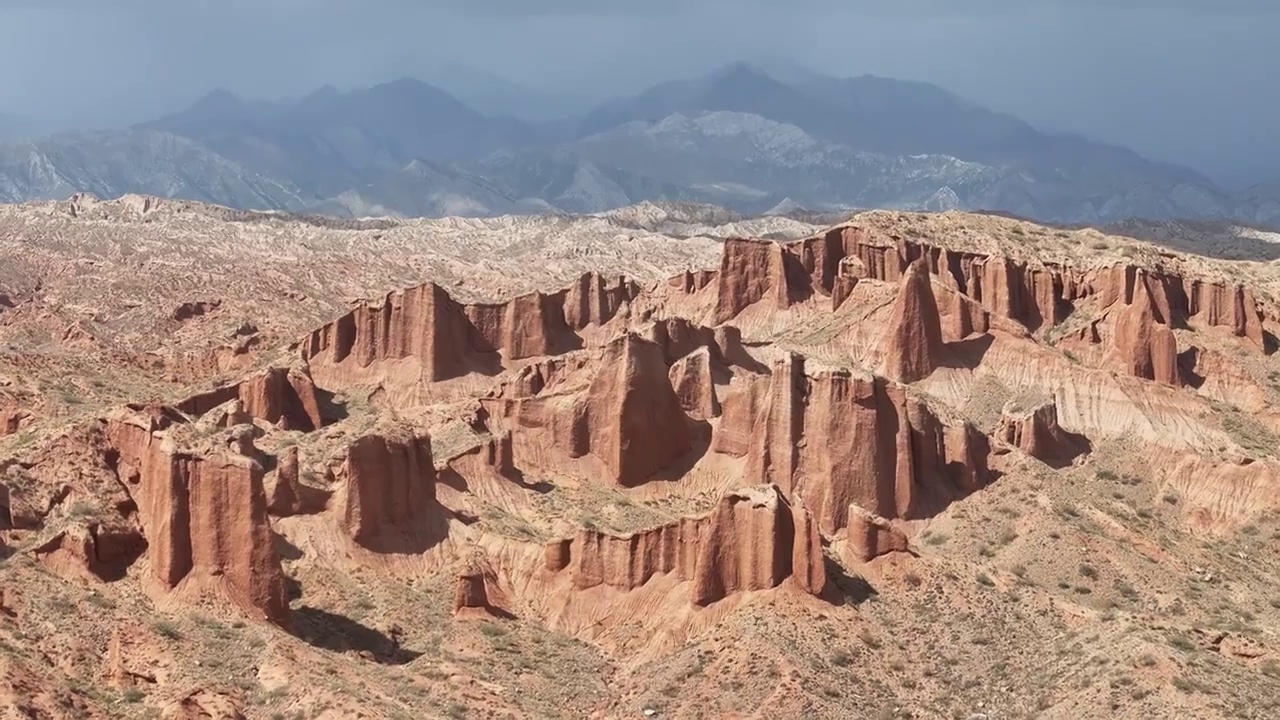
(11, 421)
(277, 395)
(837, 439)
(450, 339)
(388, 494)
(478, 589)
(913, 338)
(1036, 432)
(753, 540)
(1035, 295)
(204, 518)
(693, 379)
(1143, 344)
(628, 417)
(870, 536)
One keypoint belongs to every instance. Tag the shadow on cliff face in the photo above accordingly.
(968, 354)
(843, 588)
(700, 445)
(338, 633)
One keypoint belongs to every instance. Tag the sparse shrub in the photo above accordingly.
(133, 695)
(1107, 475)
(985, 579)
(841, 659)
(1270, 668)
(1147, 660)
(913, 580)
(166, 629)
(1019, 570)
(1181, 642)
(1170, 498)
(937, 539)
(1089, 571)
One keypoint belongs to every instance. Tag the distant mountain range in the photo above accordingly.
(738, 137)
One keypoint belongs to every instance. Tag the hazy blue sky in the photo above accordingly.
(1191, 82)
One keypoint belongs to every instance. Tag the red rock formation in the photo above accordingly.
(843, 288)
(277, 395)
(633, 418)
(1233, 307)
(478, 589)
(204, 518)
(751, 271)
(448, 338)
(1036, 432)
(835, 439)
(628, 562)
(628, 418)
(284, 495)
(1143, 345)
(691, 281)
(870, 536)
(557, 554)
(694, 384)
(101, 550)
(752, 540)
(11, 421)
(389, 486)
(913, 338)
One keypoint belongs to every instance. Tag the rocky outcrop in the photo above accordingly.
(753, 540)
(388, 495)
(204, 518)
(449, 339)
(870, 536)
(284, 492)
(1230, 306)
(197, 308)
(691, 281)
(836, 439)
(100, 550)
(1036, 432)
(913, 338)
(620, 410)
(11, 421)
(284, 396)
(751, 271)
(692, 378)
(632, 417)
(1142, 344)
(478, 590)
(1036, 295)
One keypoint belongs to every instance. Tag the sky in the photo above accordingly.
(1193, 82)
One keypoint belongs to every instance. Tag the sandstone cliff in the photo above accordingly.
(627, 417)
(753, 540)
(913, 338)
(838, 439)
(1036, 295)
(204, 518)
(870, 536)
(450, 339)
(285, 396)
(1036, 432)
(387, 497)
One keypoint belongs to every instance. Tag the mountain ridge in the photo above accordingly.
(736, 136)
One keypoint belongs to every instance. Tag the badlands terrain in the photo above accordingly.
(659, 462)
